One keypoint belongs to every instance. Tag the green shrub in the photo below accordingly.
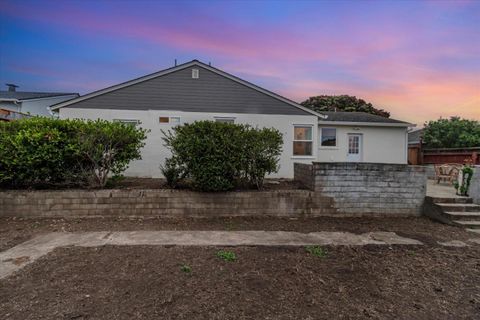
(172, 172)
(42, 151)
(216, 156)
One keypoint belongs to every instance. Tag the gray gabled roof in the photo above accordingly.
(21, 95)
(124, 102)
(360, 117)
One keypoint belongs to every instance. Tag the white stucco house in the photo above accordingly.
(29, 103)
(197, 91)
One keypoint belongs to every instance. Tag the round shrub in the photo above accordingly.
(217, 156)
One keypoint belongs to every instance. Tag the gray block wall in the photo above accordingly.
(162, 203)
(474, 191)
(367, 188)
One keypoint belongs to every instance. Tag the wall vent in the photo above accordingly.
(195, 73)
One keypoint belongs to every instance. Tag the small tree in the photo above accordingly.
(342, 103)
(452, 133)
(108, 147)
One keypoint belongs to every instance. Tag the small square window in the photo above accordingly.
(195, 74)
(164, 119)
(329, 137)
(175, 120)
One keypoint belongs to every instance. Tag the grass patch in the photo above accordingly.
(316, 251)
(226, 255)
(186, 269)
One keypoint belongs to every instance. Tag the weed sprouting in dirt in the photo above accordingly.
(316, 251)
(186, 269)
(226, 255)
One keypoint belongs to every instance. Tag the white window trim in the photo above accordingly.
(335, 147)
(306, 156)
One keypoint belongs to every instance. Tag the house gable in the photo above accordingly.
(175, 89)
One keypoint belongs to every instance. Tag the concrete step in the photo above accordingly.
(459, 207)
(467, 223)
(477, 231)
(452, 200)
(461, 215)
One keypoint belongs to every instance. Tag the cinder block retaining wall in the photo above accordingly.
(166, 203)
(367, 188)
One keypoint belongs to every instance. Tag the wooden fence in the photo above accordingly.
(417, 155)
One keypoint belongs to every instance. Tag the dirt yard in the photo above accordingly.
(375, 282)
(14, 231)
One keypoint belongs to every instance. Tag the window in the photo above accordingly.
(225, 119)
(302, 140)
(195, 73)
(329, 137)
(129, 122)
(173, 120)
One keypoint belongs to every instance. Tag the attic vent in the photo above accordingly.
(195, 73)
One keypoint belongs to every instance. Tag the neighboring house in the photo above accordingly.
(196, 91)
(29, 103)
(415, 147)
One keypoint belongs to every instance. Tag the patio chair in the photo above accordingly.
(446, 173)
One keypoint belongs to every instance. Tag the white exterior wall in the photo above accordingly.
(39, 107)
(12, 106)
(154, 153)
(380, 144)
(35, 107)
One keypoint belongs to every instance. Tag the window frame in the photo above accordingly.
(134, 122)
(225, 119)
(169, 122)
(312, 155)
(321, 138)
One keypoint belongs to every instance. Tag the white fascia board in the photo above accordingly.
(180, 67)
(365, 124)
(50, 97)
(10, 100)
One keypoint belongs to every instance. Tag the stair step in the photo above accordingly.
(452, 200)
(474, 230)
(459, 207)
(459, 215)
(469, 224)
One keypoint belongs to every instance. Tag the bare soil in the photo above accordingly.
(14, 230)
(145, 282)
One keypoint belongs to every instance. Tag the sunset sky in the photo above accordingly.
(417, 59)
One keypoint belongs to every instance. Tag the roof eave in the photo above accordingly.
(368, 124)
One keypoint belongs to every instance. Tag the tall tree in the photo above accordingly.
(452, 133)
(342, 103)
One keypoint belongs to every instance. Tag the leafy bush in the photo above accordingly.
(43, 151)
(452, 133)
(216, 156)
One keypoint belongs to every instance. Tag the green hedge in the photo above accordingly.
(43, 151)
(216, 156)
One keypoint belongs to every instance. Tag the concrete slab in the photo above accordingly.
(19, 256)
(453, 243)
